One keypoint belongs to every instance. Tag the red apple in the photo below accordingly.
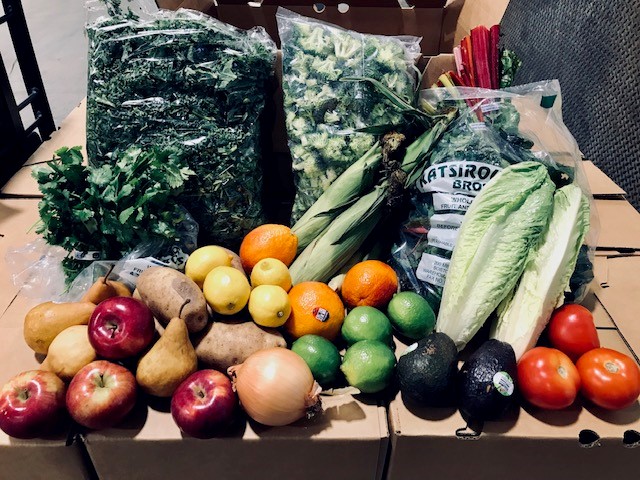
(204, 404)
(101, 394)
(120, 327)
(31, 404)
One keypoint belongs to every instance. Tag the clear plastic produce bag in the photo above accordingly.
(321, 110)
(38, 268)
(188, 81)
(494, 129)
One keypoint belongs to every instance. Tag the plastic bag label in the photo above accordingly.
(131, 269)
(433, 269)
(463, 177)
(444, 230)
(443, 202)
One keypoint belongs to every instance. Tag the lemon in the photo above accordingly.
(226, 290)
(205, 259)
(271, 271)
(269, 305)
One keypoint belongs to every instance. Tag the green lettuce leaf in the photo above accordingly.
(524, 314)
(503, 223)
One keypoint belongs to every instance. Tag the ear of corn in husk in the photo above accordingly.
(328, 252)
(354, 182)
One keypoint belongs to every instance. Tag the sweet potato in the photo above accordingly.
(227, 343)
(165, 291)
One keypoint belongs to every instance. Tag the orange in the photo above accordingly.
(315, 310)
(371, 283)
(268, 241)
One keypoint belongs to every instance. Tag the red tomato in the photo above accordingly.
(547, 378)
(610, 379)
(571, 330)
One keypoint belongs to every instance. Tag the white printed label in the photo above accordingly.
(131, 269)
(91, 255)
(489, 107)
(447, 201)
(444, 230)
(464, 177)
(503, 383)
(478, 126)
(432, 269)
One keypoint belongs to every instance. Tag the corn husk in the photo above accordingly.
(354, 182)
(328, 252)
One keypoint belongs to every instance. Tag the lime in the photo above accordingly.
(321, 355)
(271, 271)
(368, 366)
(205, 259)
(411, 315)
(226, 290)
(269, 305)
(366, 323)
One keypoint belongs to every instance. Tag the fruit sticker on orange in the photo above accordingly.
(321, 314)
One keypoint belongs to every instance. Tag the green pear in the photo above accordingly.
(170, 361)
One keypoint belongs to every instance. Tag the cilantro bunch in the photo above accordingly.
(113, 208)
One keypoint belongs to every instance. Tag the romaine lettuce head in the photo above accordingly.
(524, 314)
(505, 221)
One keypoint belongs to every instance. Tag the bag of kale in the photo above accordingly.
(322, 111)
(494, 129)
(190, 82)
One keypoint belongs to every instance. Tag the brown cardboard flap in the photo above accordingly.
(620, 295)
(600, 184)
(518, 442)
(17, 217)
(601, 318)
(436, 66)
(619, 225)
(462, 16)
(348, 440)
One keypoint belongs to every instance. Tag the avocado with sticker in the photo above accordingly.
(487, 382)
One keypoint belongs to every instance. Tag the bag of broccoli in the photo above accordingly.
(322, 111)
(186, 81)
(494, 129)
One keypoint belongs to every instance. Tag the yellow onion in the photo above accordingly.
(276, 387)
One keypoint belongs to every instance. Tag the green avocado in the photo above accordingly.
(427, 371)
(487, 381)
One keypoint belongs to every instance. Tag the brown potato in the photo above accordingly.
(227, 343)
(165, 291)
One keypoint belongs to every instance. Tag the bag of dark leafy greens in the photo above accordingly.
(190, 82)
(494, 129)
(322, 112)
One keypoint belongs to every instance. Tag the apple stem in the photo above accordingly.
(106, 277)
(113, 329)
(183, 305)
(101, 381)
(23, 394)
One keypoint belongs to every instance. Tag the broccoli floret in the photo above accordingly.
(359, 143)
(333, 149)
(347, 47)
(315, 42)
(331, 116)
(326, 68)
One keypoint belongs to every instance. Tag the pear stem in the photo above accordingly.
(104, 280)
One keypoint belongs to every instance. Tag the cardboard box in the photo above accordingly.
(57, 456)
(348, 441)
(583, 441)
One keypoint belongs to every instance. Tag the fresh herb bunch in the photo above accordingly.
(186, 81)
(322, 111)
(113, 208)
